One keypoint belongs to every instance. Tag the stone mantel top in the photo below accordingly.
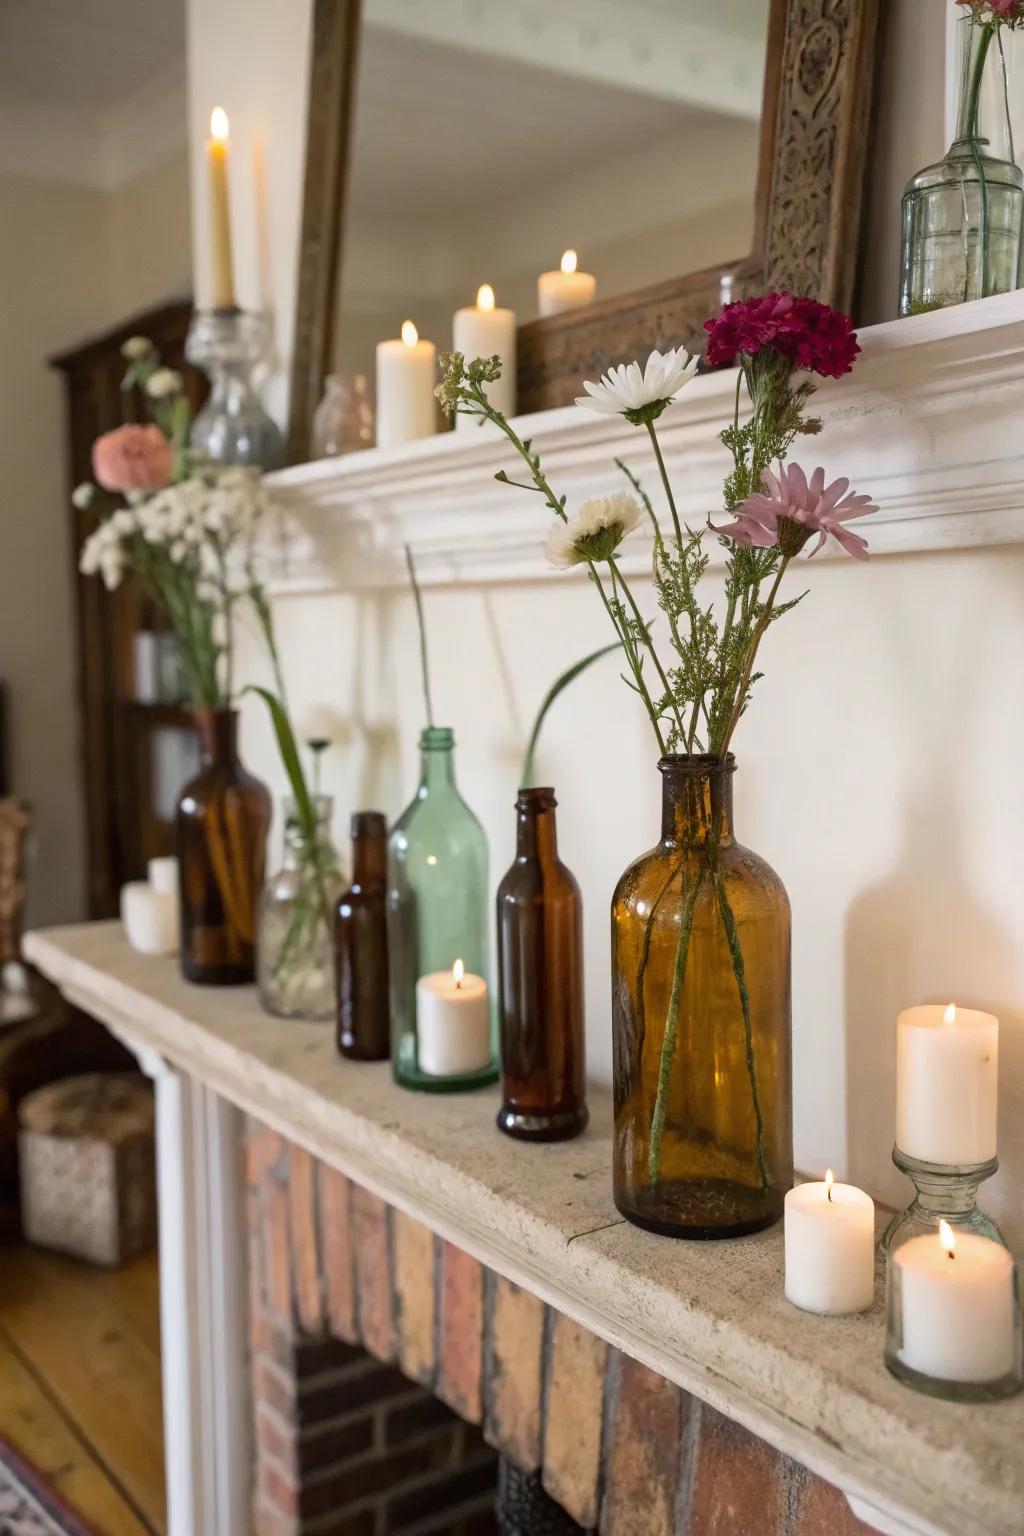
(709, 1316)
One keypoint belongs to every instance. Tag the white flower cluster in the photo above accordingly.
(197, 523)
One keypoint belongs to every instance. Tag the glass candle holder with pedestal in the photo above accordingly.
(942, 1194)
(231, 346)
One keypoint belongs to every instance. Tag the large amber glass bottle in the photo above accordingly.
(701, 1021)
(540, 983)
(222, 823)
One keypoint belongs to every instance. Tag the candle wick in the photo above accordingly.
(830, 1194)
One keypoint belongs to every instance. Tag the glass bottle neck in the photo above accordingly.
(536, 834)
(369, 861)
(218, 735)
(696, 801)
(437, 759)
(983, 113)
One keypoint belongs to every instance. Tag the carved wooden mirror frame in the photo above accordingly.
(814, 134)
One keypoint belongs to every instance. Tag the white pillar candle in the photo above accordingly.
(566, 288)
(150, 919)
(830, 1248)
(484, 331)
(955, 1299)
(946, 1081)
(406, 377)
(163, 875)
(453, 1032)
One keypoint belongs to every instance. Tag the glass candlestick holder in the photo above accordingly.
(231, 346)
(943, 1193)
(953, 1324)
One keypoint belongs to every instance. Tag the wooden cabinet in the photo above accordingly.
(135, 751)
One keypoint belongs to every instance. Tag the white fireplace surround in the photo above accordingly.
(928, 421)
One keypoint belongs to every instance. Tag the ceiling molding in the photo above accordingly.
(928, 424)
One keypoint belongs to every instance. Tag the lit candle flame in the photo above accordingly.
(458, 971)
(219, 124)
(949, 1017)
(569, 260)
(947, 1237)
(485, 296)
(830, 1179)
(410, 335)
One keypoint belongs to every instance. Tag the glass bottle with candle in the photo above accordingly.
(361, 945)
(701, 1021)
(540, 983)
(437, 909)
(222, 822)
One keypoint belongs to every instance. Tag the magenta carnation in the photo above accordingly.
(793, 508)
(1011, 11)
(812, 336)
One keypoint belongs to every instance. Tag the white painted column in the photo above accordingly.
(207, 1451)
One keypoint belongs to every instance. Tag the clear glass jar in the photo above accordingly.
(295, 942)
(343, 421)
(437, 907)
(962, 217)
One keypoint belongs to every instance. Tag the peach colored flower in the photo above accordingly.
(132, 458)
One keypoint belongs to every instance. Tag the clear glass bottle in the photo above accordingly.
(962, 217)
(540, 983)
(295, 947)
(701, 1021)
(343, 421)
(361, 945)
(437, 906)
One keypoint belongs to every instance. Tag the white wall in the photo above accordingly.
(877, 765)
(72, 261)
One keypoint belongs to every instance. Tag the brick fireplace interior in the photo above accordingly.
(399, 1386)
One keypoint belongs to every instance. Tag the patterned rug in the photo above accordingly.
(27, 1506)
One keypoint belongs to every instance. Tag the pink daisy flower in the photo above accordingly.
(792, 509)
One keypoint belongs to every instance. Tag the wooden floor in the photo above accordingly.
(80, 1384)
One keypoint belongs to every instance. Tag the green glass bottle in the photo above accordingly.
(437, 909)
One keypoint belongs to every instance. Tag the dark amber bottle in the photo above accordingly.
(222, 824)
(701, 1021)
(540, 983)
(361, 945)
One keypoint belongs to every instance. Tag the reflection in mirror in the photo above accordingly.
(489, 138)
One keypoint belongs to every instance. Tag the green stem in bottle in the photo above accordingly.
(736, 955)
(424, 668)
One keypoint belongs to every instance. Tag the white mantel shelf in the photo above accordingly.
(710, 1316)
(928, 423)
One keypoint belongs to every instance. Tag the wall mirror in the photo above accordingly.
(669, 143)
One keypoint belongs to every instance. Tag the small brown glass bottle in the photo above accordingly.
(540, 983)
(361, 945)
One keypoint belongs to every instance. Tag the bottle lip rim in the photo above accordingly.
(368, 824)
(435, 738)
(536, 797)
(697, 763)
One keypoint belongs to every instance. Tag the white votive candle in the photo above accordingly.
(163, 875)
(830, 1247)
(565, 289)
(955, 1298)
(150, 919)
(486, 331)
(947, 1069)
(406, 376)
(452, 1023)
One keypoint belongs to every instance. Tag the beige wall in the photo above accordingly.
(72, 261)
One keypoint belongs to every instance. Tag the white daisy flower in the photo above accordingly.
(594, 532)
(136, 348)
(163, 382)
(641, 396)
(82, 495)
